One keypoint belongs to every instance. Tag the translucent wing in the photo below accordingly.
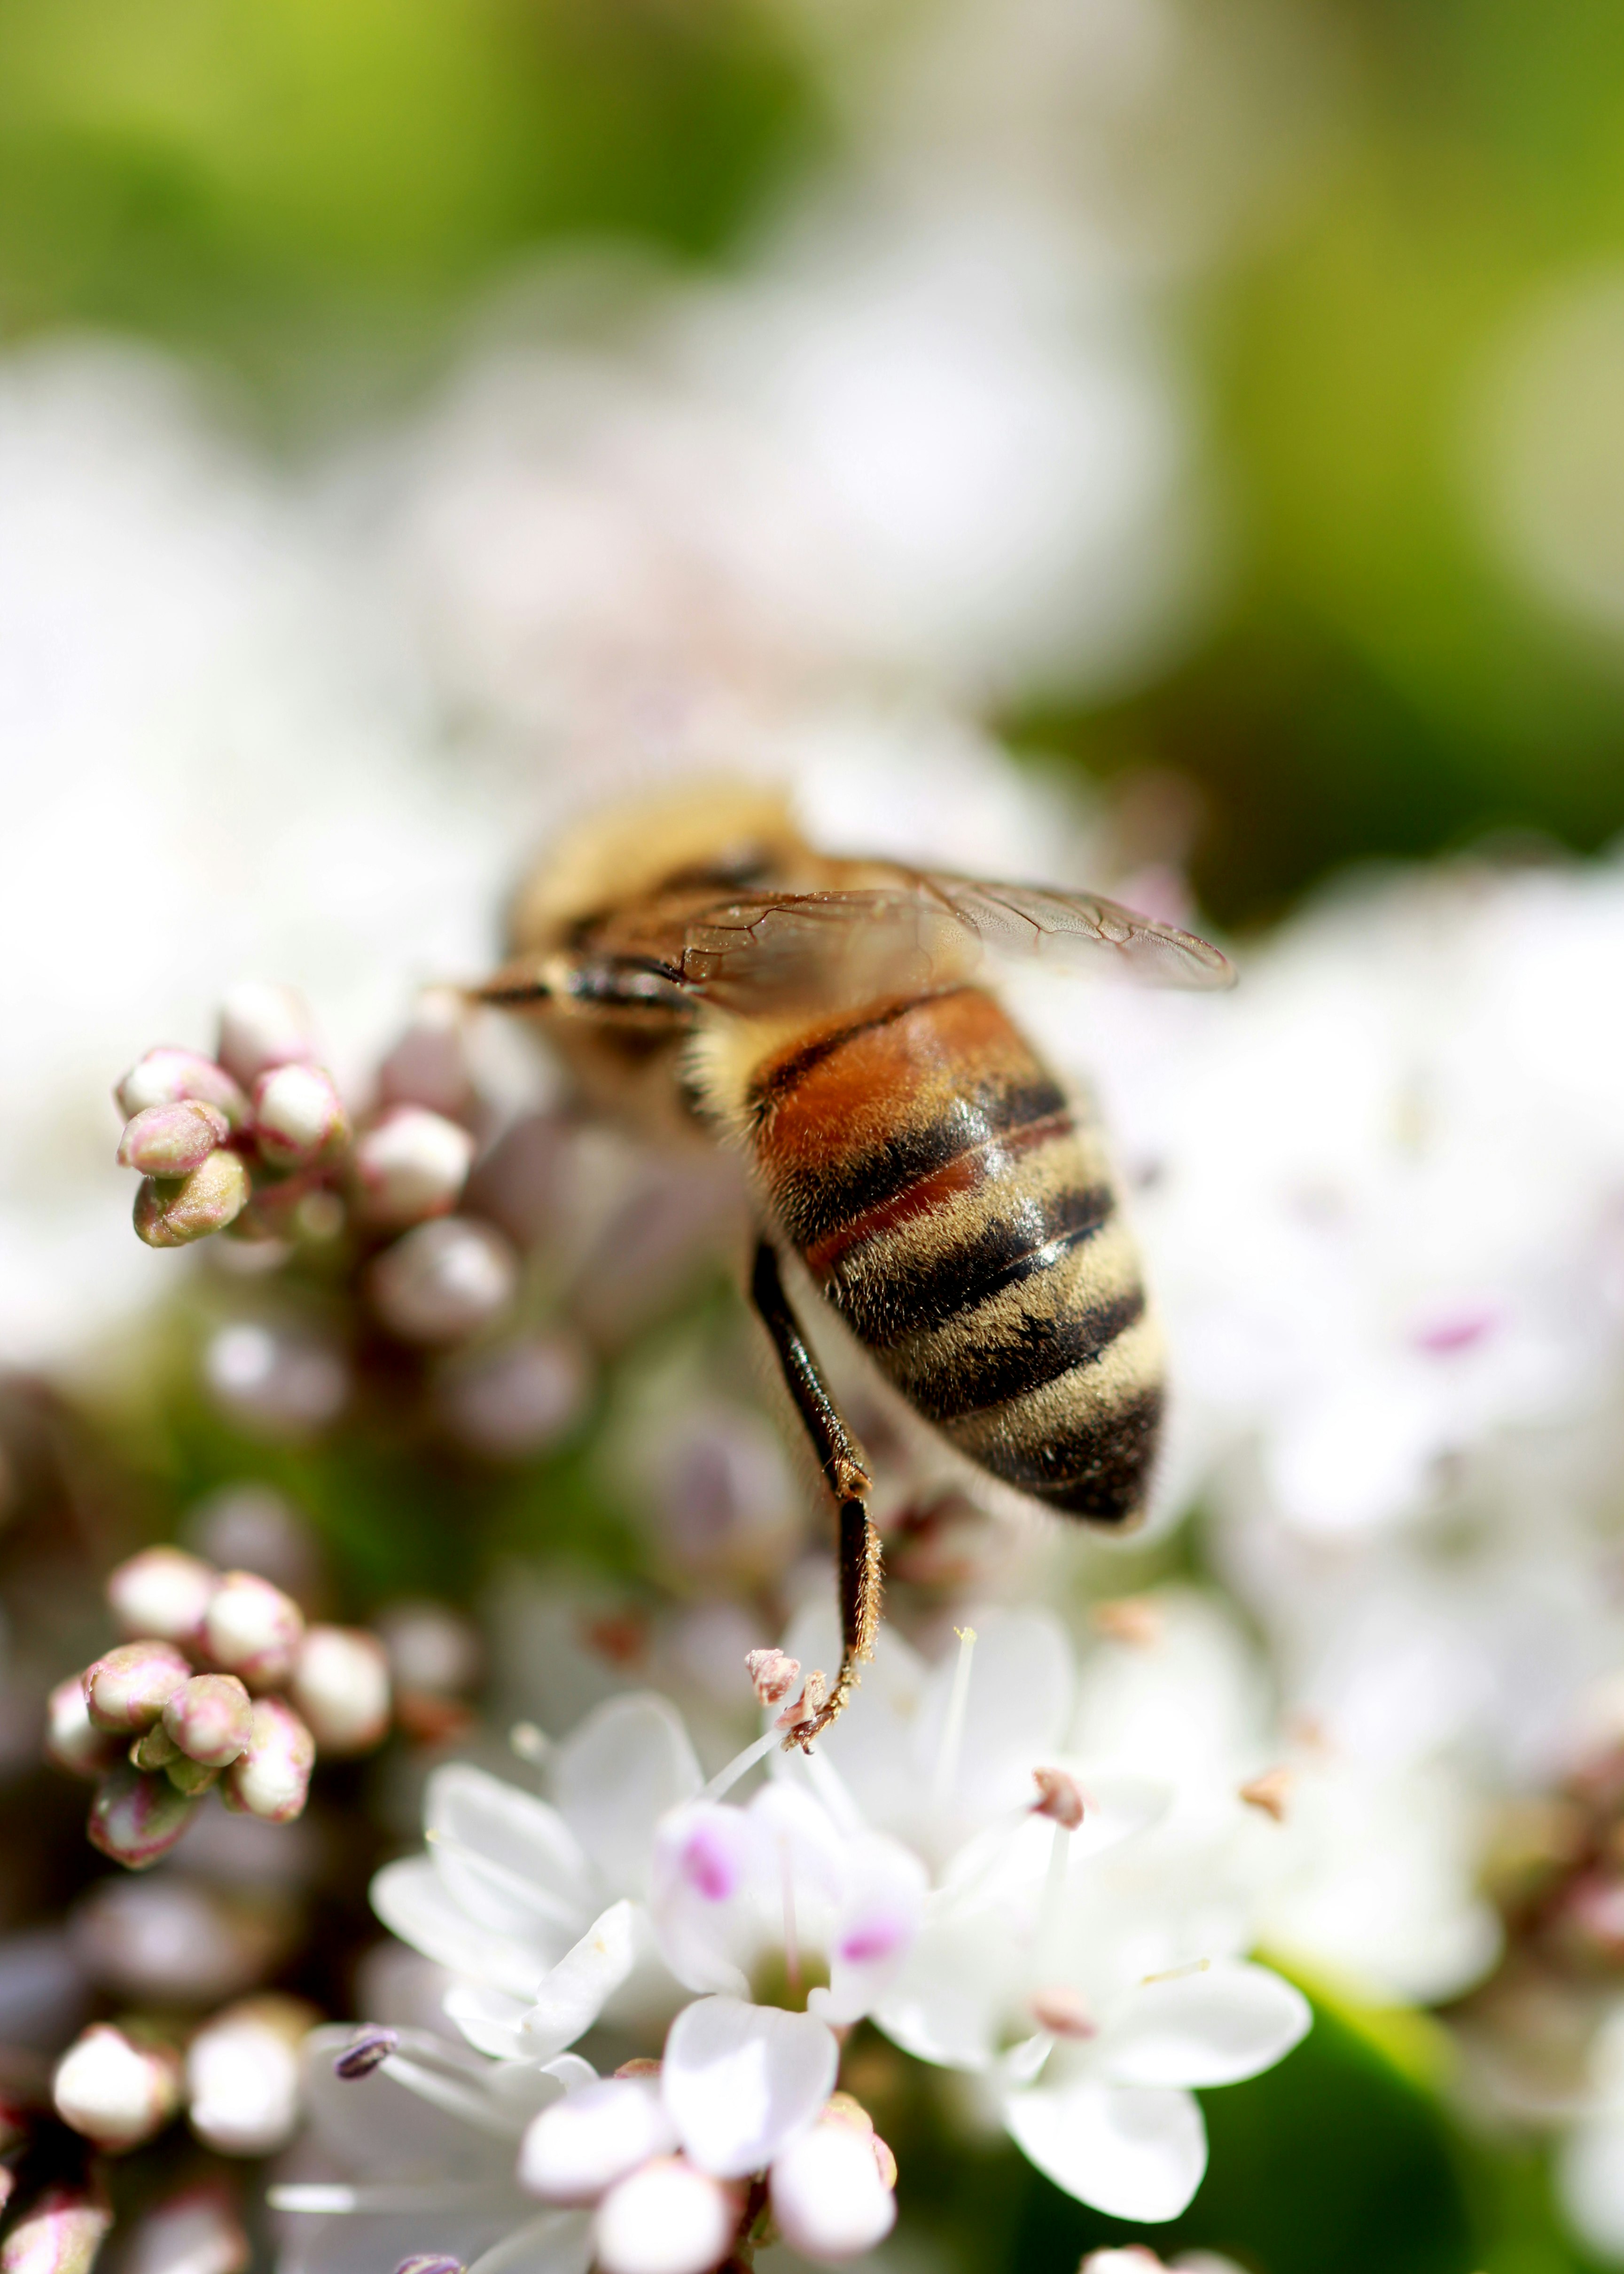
(921, 930)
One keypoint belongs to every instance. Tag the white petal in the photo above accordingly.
(946, 2004)
(1215, 2026)
(874, 1925)
(571, 1997)
(1017, 1705)
(616, 1775)
(714, 1894)
(576, 2151)
(1132, 2151)
(558, 2242)
(740, 2081)
(512, 1862)
(412, 1900)
(488, 2018)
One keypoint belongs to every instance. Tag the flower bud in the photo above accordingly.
(665, 2217)
(171, 1140)
(171, 1212)
(271, 1775)
(368, 2050)
(251, 1628)
(412, 1165)
(127, 1689)
(829, 2198)
(443, 1281)
(429, 1064)
(163, 1592)
(341, 1686)
(284, 1384)
(297, 1115)
(166, 1076)
(242, 2075)
(60, 2233)
(261, 1026)
(196, 2232)
(174, 1939)
(210, 1718)
(575, 2151)
(135, 1818)
(72, 1738)
(114, 2091)
(507, 1405)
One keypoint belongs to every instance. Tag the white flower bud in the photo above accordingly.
(252, 1629)
(341, 1686)
(262, 1024)
(210, 1719)
(172, 1212)
(271, 1775)
(171, 1140)
(443, 1281)
(167, 1075)
(830, 2196)
(429, 1647)
(242, 2075)
(1125, 2258)
(665, 2219)
(412, 1165)
(135, 1818)
(196, 2232)
(285, 1384)
(575, 2151)
(60, 2233)
(174, 1939)
(72, 1738)
(297, 1115)
(113, 2091)
(128, 1688)
(429, 1064)
(163, 1593)
(509, 1404)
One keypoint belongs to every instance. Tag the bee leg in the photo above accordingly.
(845, 1471)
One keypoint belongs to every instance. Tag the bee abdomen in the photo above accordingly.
(951, 1206)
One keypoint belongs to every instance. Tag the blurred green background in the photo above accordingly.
(311, 190)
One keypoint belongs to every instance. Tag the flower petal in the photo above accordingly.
(739, 2081)
(511, 1860)
(572, 1996)
(1019, 1702)
(616, 1775)
(558, 2242)
(712, 1884)
(875, 1924)
(488, 2018)
(947, 2002)
(1132, 2151)
(412, 1900)
(1211, 2026)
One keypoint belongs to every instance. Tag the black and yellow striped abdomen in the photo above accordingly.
(954, 1207)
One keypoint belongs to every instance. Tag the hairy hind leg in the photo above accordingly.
(845, 1471)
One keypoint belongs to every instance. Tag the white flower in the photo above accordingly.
(539, 1910)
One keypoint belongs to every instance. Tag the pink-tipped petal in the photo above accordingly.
(270, 1777)
(171, 1140)
(297, 1115)
(167, 1075)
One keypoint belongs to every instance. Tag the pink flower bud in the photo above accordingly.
(210, 1718)
(297, 1115)
(162, 1591)
(772, 1675)
(507, 1405)
(171, 1140)
(341, 1686)
(135, 1818)
(128, 1689)
(72, 1738)
(196, 2232)
(242, 2075)
(578, 2148)
(171, 1212)
(830, 2196)
(444, 1281)
(166, 1076)
(251, 1628)
(665, 2217)
(262, 1024)
(114, 2091)
(284, 1384)
(60, 2233)
(429, 1064)
(412, 1165)
(271, 1775)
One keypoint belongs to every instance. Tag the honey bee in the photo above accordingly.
(698, 960)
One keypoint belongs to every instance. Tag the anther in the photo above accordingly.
(772, 1675)
(1063, 2012)
(1134, 1619)
(1269, 1792)
(1059, 1798)
(368, 2050)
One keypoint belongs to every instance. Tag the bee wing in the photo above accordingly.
(925, 928)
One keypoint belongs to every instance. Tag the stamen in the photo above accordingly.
(370, 2047)
(327, 2199)
(772, 1675)
(1060, 1798)
(953, 1722)
(725, 1779)
(791, 1939)
(1051, 1911)
(457, 2099)
(1269, 1792)
(1063, 2012)
(1178, 1973)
